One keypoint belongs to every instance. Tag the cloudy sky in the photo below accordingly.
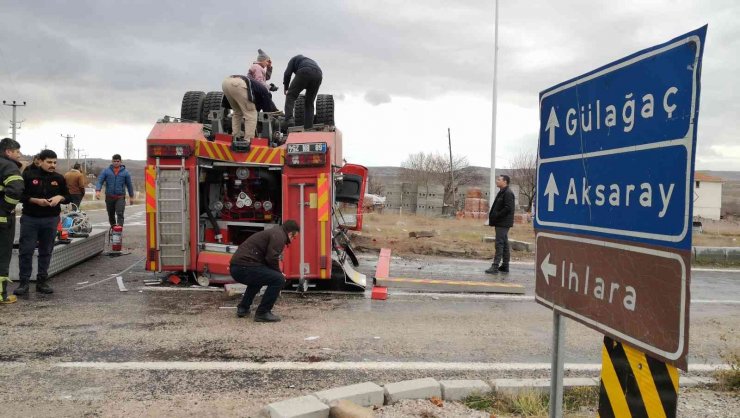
(401, 72)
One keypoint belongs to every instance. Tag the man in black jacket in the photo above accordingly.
(308, 76)
(45, 191)
(10, 195)
(256, 263)
(501, 217)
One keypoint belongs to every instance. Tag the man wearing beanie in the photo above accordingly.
(256, 263)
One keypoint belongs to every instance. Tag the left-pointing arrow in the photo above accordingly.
(552, 123)
(548, 269)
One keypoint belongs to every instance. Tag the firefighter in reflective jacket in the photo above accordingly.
(11, 190)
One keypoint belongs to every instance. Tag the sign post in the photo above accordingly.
(615, 176)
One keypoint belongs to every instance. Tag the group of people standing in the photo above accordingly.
(42, 191)
(250, 94)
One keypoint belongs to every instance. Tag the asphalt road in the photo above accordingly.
(91, 349)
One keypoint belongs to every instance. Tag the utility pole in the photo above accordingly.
(68, 150)
(492, 187)
(14, 123)
(84, 164)
(452, 173)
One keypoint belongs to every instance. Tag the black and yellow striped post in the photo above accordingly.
(635, 385)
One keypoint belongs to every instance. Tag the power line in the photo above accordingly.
(68, 150)
(14, 124)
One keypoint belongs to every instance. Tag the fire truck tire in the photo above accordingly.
(298, 109)
(192, 105)
(212, 101)
(325, 109)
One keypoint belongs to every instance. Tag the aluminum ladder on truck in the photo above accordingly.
(173, 220)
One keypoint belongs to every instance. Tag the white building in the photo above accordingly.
(707, 196)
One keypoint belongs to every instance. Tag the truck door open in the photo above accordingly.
(349, 195)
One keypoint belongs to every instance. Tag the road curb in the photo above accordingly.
(318, 405)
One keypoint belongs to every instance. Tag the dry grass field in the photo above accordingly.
(464, 237)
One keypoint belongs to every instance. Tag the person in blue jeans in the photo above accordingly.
(44, 191)
(117, 181)
(256, 263)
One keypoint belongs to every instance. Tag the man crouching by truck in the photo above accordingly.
(256, 263)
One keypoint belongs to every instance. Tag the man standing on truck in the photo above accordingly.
(117, 180)
(256, 263)
(45, 190)
(10, 175)
(308, 76)
(501, 217)
(261, 70)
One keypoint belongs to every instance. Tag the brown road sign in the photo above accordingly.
(636, 294)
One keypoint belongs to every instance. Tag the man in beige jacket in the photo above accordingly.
(76, 183)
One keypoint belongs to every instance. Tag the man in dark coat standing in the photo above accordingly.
(256, 263)
(501, 217)
(308, 76)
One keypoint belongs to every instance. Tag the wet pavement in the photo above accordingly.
(99, 323)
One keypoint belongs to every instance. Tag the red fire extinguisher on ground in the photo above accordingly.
(116, 238)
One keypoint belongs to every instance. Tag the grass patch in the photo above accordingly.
(534, 403)
(729, 380)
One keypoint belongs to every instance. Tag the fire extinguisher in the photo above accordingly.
(116, 238)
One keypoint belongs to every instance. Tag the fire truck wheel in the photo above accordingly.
(298, 109)
(212, 101)
(192, 105)
(325, 109)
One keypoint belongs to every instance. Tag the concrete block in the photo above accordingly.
(711, 254)
(412, 389)
(520, 245)
(302, 407)
(363, 394)
(733, 255)
(455, 390)
(233, 289)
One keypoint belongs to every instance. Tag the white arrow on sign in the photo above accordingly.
(552, 123)
(551, 190)
(548, 269)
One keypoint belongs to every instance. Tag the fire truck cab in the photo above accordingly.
(206, 194)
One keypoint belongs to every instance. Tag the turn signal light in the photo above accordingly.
(305, 160)
(183, 151)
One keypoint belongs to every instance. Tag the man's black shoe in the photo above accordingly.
(493, 270)
(44, 288)
(241, 312)
(503, 269)
(266, 317)
(21, 290)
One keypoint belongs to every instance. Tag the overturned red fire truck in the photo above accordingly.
(207, 192)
